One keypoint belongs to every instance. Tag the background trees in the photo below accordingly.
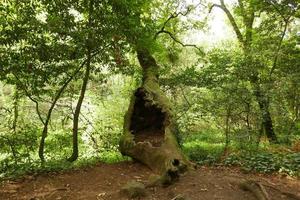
(68, 68)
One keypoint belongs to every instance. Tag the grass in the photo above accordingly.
(208, 148)
(204, 148)
(53, 165)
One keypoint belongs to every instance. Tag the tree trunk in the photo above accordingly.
(74, 155)
(149, 130)
(16, 99)
(227, 130)
(267, 123)
(47, 121)
(246, 43)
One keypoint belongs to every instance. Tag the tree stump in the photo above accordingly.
(149, 133)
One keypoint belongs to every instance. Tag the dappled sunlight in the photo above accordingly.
(93, 85)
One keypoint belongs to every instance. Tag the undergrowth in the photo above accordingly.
(61, 165)
(208, 149)
(265, 162)
(203, 148)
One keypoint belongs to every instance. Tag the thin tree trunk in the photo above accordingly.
(227, 130)
(12, 148)
(16, 99)
(47, 121)
(74, 155)
(23, 87)
(75, 150)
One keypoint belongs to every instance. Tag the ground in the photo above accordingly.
(104, 181)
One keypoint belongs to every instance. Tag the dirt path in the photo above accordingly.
(104, 181)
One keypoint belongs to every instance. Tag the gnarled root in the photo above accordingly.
(256, 188)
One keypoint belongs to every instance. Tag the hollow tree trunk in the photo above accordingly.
(149, 130)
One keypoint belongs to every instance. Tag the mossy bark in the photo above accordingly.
(149, 129)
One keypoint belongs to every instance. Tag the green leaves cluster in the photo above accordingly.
(266, 162)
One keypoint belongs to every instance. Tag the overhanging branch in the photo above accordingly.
(173, 16)
(231, 20)
(179, 42)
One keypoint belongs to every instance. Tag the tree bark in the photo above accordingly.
(246, 42)
(267, 123)
(149, 129)
(47, 120)
(74, 155)
(16, 99)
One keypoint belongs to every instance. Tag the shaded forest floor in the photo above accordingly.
(104, 181)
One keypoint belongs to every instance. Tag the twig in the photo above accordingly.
(179, 42)
(173, 16)
(31, 98)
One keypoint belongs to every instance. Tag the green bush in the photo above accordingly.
(203, 153)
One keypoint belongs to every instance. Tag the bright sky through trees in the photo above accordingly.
(218, 29)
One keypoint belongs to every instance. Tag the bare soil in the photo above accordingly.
(104, 181)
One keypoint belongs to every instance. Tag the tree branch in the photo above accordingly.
(279, 47)
(249, 20)
(179, 42)
(31, 98)
(274, 4)
(173, 16)
(231, 20)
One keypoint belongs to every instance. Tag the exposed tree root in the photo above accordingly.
(256, 188)
(291, 195)
(288, 194)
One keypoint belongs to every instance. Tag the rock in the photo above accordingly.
(134, 189)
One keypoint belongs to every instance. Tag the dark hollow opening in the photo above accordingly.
(147, 121)
(174, 175)
(176, 162)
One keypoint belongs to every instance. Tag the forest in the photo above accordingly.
(150, 99)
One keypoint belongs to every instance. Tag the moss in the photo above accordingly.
(166, 159)
(134, 189)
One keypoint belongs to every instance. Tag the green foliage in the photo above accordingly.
(101, 123)
(205, 147)
(59, 165)
(18, 148)
(215, 103)
(266, 162)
